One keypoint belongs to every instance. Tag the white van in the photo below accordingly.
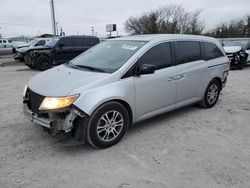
(97, 95)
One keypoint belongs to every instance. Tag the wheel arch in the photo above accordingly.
(219, 80)
(127, 106)
(122, 102)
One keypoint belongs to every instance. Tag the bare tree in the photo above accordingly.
(234, 28)
(168, 19)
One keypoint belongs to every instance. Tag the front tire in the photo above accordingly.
(211, 95)
(107, 125)
(43, 63)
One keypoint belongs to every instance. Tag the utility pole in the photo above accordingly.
(248, 26)
(53, 17)
(57, 32)
(93, 31)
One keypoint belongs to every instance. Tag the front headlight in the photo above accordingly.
(53, 103)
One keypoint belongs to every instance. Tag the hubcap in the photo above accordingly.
(212, 94)
(110, 126)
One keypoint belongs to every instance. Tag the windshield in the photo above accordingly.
(32, 42)
(237, 43)
(107, 56)
(52, 42)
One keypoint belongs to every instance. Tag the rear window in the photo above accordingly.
(187, 51)
(211, 51)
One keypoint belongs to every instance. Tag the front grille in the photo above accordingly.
(34, 100)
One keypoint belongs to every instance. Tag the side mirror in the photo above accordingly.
(146, 69)
(61, 45)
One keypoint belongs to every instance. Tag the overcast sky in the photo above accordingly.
(32, 17)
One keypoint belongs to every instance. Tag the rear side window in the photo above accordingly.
(159, 55)
(187, 51)
(85, 42)
(78, 42)
(211, 51)
(68, 42)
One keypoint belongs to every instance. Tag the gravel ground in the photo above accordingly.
(190, 147)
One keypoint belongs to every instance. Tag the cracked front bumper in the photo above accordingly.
(44, 122)
(61, 129)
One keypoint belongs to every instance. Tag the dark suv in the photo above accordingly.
(58, 51)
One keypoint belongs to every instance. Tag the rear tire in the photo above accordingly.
(43, 63)
(211, 95)
(107, 125)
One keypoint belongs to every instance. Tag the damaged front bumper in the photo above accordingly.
(64, 126)
(44, 122)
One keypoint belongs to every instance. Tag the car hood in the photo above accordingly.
(39, 48)
(22, 46)
(232, 49)
(61, 80)
(23, 49)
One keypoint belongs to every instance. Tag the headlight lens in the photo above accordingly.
(52, 103)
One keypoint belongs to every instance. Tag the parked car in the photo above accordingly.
(19, 52)
(5, 43)
(238, 53)
(97, 95)
(58, 51)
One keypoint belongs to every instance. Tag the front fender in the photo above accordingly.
(120, 90)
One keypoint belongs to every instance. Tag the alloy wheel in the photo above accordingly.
(110, 126)
(212, 94)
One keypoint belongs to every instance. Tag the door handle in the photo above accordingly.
(171, 79)
(178, 77)
(182, 76)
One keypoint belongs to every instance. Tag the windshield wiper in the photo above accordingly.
(89, 68)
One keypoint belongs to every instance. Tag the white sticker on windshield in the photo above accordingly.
(127, 47)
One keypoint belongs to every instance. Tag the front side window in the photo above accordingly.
(211, 51)
(52, 42)
(159, 55)
(107, 56)
(187, 51)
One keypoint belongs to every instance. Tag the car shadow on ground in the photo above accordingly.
(135, 128)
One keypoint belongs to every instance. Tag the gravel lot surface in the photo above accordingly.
(190, 147)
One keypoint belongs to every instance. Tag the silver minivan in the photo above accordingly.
(97, 95)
